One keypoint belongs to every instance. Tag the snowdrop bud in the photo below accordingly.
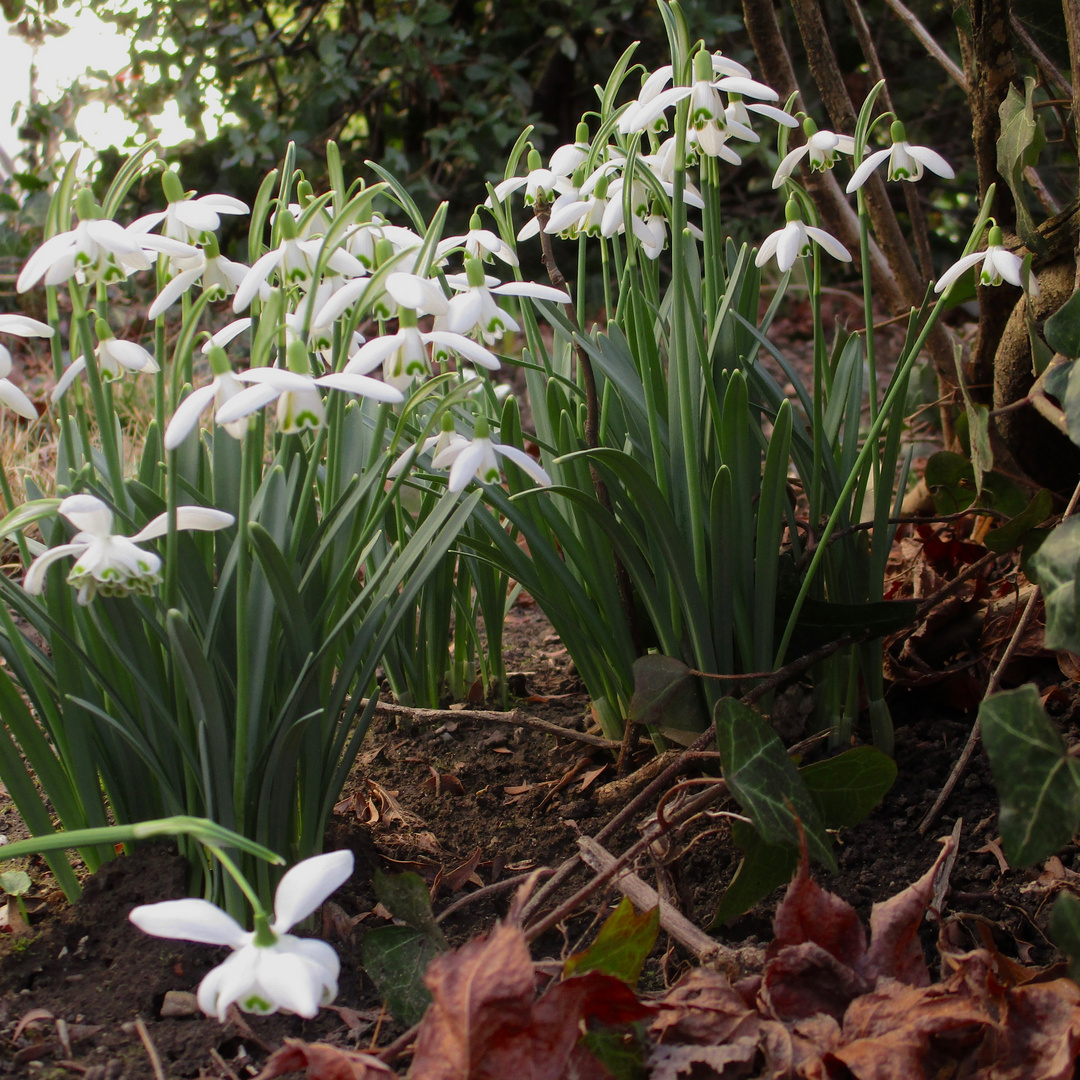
(474, 270)
(219, 360)
(481, 430)
(289, 229)
(297, 357)
(171, 186)
(581, 135)
(475, 223)
(703, 70)
(897, 132)
(810, 129)
(304, 192)
(384, 250)
(448, 423)
(102, 330)
(601, 187)
(534, 160)
(86, 207)
(792, 211)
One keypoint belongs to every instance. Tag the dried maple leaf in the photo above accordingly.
(485, 1022)
(321, 1061)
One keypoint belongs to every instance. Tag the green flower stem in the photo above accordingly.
(680, 359)
(106, 426)
(820, 379)
(243, 647)
(896, 387)
(66, 437)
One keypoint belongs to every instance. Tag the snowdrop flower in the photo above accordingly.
(95, 250)
(113, 357)
(211, 269)
(362, 240)
(222, 387)
(10, 394)
(299, 403)
(906, 162)
(793, 241)
(295, 260)
(579, 211)
(436, 444)
(566, 158)
(108, 564)
(738, 112)
(474, 307)
(479, 243)
(404, 355)
(821, 148)
(998, 265)
(269, 968)
(477, 459)
(539, 183)
(186, 218)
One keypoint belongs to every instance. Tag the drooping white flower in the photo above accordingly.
(434, 444)
(108, 564)
(10, 394)
(821, 149)
(97, 249)
(479, 243)
(296, 391)
(474, 311)
(566, 158)
(295, 261)
(114, 356)
(211, 269)
(540, 184)
(998, 264)
(219, 390)
(906, 162)
(404, 355)
(793, 241)
(477, 459)
(187, 218)
(269, 968)
(738, 112)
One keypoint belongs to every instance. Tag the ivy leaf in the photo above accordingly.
(1018, 145)
(1037, 780)
(1055, 566)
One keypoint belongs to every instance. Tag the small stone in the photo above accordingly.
(179, 1003)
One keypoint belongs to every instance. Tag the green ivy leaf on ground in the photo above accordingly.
(1036, 779)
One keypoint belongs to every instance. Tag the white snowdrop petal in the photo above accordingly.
(188, 920)
(306, 885)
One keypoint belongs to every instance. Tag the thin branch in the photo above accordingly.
(514, 717)
(1042, 61)
(926, 39)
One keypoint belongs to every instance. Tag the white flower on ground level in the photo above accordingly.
(113, 565)
(269, 968)
(793, 241)
(113, 357)
(476, 458)
(906, 162)
(821, 149)
(998, 265)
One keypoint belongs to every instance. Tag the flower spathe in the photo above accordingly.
(793, 241)
(467, 460)
(998, 264)
(109, 564)
(269, 968)
(906, 162)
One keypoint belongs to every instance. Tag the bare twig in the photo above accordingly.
(515, 718)
(645, 898)
(1045, 64)
(151, 1049)
(992, 688)
(926, 39)
(491, 890)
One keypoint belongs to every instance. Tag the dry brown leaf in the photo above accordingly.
(457, 878)
(484, 1022)
(320, 1061)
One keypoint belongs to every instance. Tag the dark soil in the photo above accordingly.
(482, 799)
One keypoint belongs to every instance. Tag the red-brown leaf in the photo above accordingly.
(323, 1062)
